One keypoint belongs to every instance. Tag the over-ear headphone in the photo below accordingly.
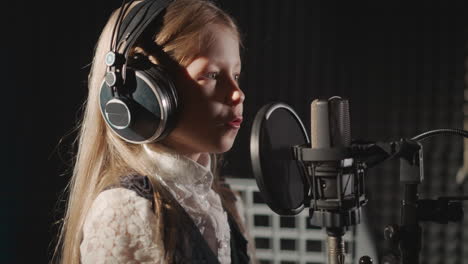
(138, 99)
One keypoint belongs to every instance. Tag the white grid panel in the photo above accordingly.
(284, 240)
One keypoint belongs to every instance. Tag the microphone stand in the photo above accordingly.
(411, 174)
(336, 246)
(408, 235)
(335, 225)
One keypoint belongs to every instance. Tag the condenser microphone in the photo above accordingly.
(330, 129)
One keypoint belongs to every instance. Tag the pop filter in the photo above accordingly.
(281, 179)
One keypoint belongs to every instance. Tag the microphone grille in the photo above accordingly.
(340, 127)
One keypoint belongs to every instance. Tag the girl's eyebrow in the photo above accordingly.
(221, 64)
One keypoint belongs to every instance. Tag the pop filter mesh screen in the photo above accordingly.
(283, 187)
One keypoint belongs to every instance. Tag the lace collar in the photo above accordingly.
(190, 183)
(173, 168)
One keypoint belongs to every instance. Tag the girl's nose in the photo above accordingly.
(237, 97)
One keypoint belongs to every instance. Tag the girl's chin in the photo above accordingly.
(211, 142)
(224, 145)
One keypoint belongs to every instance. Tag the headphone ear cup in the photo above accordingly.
(118, 112)
(168, 98)
(147, 110)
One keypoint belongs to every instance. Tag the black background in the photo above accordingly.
(401, 66)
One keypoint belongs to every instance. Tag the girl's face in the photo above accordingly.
(211, 100)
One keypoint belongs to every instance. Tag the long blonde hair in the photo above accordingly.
(102, 156)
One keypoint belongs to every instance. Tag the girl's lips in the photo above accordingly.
(235, 123)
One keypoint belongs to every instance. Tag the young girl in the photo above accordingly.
(161, 202)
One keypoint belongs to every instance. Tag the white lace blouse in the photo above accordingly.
(119, 227)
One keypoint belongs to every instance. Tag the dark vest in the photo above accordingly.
(190, 245)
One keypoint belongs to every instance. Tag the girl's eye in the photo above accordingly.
(237, 77)
(212, 75)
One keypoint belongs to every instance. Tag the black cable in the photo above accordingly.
(442, 131)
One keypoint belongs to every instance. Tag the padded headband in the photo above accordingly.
(137, 20)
